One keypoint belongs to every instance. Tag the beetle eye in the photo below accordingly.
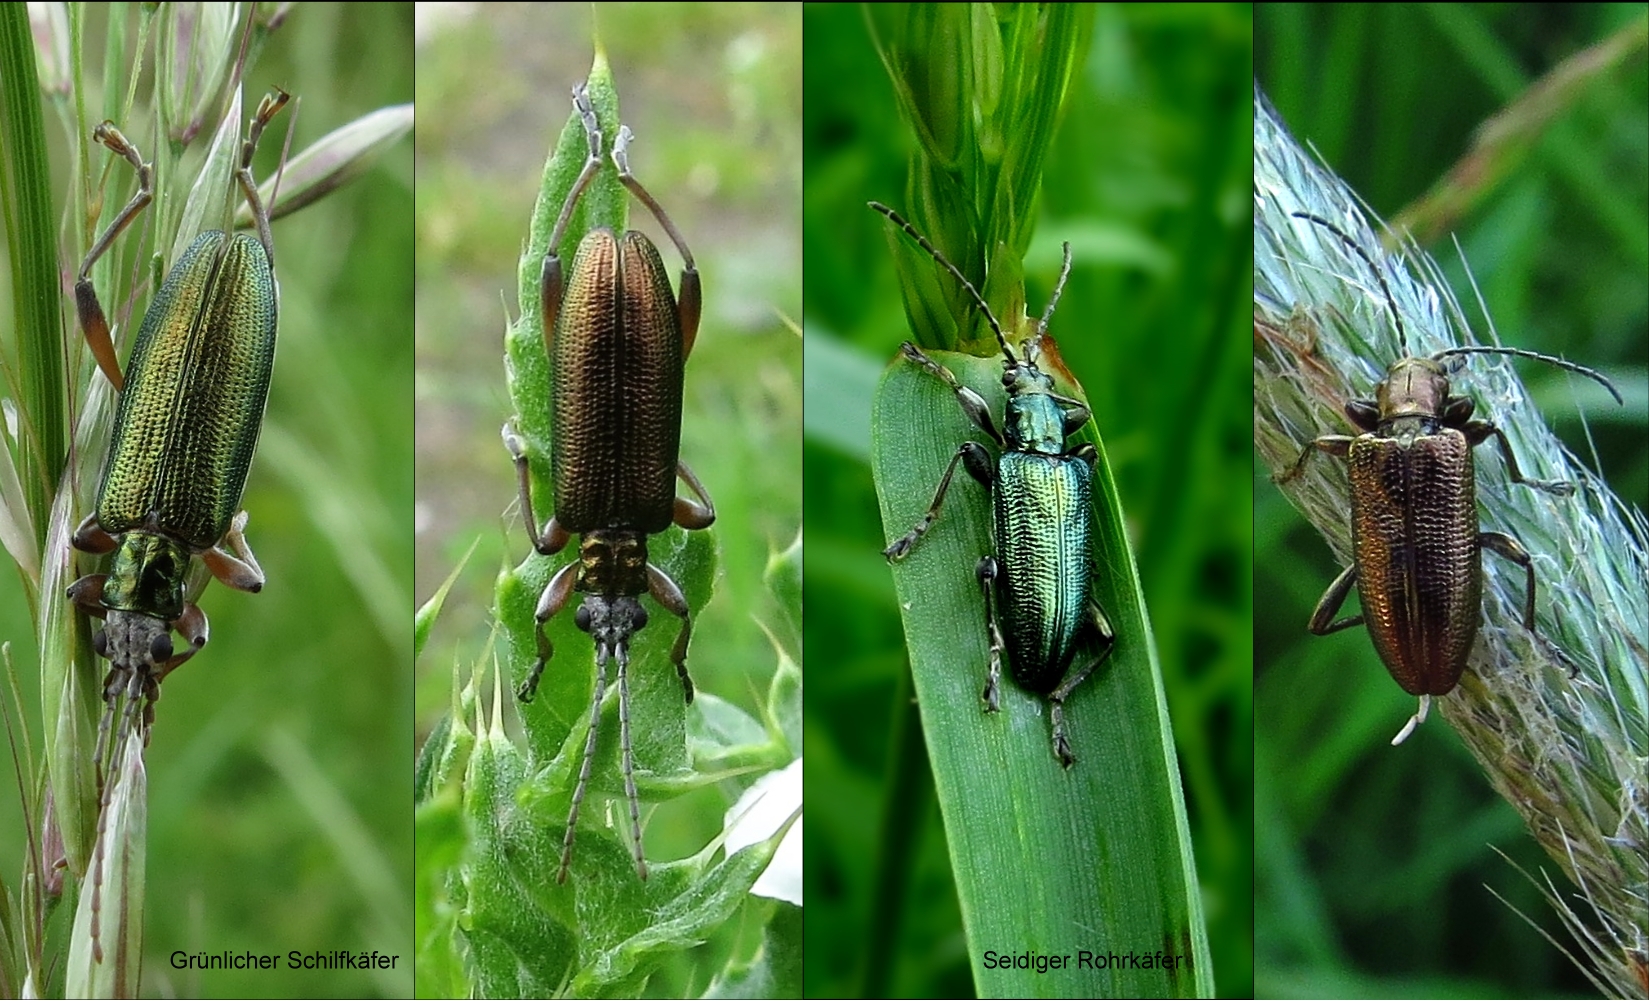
(100, 643)
(160, 648)
(581, 618)
(640, 618)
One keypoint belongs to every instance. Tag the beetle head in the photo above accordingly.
(611, 622)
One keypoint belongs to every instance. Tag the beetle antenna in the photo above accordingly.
(1391, 302)
(1059, 289)
(1483, 349)
(978, 299)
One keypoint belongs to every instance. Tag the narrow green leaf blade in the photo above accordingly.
(1093, 863)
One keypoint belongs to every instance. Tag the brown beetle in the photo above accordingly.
(617, 340)
(1416, 548)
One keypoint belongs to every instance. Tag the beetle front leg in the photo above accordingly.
(1477, 432)
(974, 405)
(87, 594)
(978, 463)
(235, 566)
(1329, 604)
(1332, 444)
(689, 514)
(554, 538)
(1513, 550)
(1103, 636)
(93, 324)
(192, 626)
(987, 572)
(554, 598)
(666, 592)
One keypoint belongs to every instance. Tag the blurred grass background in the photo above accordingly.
(712, 92)
(1372, 861)
(1148, 178)
(279, 786)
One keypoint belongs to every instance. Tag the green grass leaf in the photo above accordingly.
(1094, 859)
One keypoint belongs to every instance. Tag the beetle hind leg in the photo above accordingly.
(93, 324)
(1101, 636)
(987, 571)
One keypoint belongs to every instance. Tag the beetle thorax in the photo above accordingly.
(1413, 387)
(147, 576)
(1034, 420)
(612, 562)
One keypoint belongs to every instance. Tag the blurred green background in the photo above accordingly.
(1148, 178)
(712, 93)
(278, 772)
(1373, 862)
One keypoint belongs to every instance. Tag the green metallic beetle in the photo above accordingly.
(191, 406)
(1044, 614)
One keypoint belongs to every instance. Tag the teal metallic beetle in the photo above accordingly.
(1038, 587)
(191, 406)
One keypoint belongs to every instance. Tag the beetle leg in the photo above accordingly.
(268, 108)
(1477, 432)
(689, 298)
(666, 592)
(972, 403)
(589, 756)
(978, 463)
(1414, 721)
(550, 283)
(554, 538)
(1330, 603)
(93, 324)
(1076, 413)
(987, 571)
(1059, 290)
(191, 625)
(1510, 548)
(87, 594)
(554, 598)
(1333, 444)
(91, 538)
(235, 566)
(689, 514)
(1105, 637)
